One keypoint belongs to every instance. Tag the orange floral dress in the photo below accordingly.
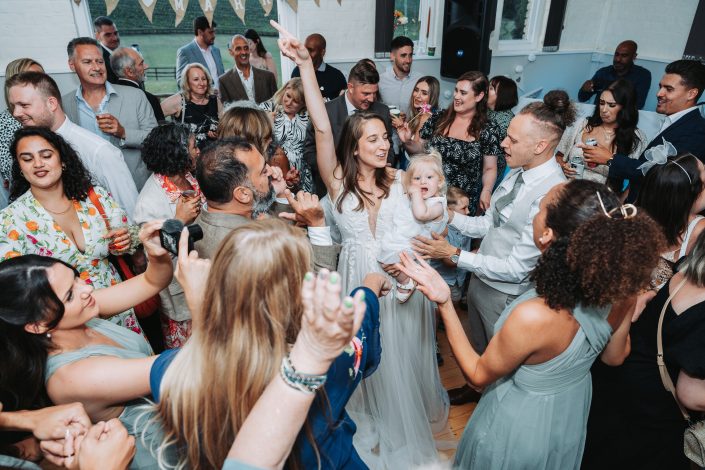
(27, 228)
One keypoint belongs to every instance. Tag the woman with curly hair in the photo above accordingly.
(172, 192)
(53, 213)
(536, 368)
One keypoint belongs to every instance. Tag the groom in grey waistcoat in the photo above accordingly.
(500, 268)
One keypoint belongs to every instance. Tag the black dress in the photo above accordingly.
(634, 421)
(462, 160)
(201, 118)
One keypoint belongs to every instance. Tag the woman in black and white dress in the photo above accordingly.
(290, 120)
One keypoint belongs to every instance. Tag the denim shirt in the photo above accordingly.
(86, 115)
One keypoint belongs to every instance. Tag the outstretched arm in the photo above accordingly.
(120, 297)
(325, 144)
(507, 350)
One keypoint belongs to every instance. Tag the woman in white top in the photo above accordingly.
(259, 57)
(611, 129)
(672, 194)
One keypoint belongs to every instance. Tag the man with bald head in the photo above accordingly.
(244, 82)
(622, 67)
(331, 80)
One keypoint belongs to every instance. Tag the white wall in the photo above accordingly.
(41, 29)
(660, 28)
(592, 29)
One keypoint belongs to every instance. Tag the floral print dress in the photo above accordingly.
(462, 160)
(27, 228)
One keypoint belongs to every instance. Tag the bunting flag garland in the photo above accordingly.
(110, 5)
(179, 7)
(239, 7)
(267, 6)
(208, 7)
(148, 7)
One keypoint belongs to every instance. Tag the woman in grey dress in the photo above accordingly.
(536, 369)
(58, 350)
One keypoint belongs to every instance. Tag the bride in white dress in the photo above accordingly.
(399, 408)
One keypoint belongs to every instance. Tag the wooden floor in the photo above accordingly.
(452, 377)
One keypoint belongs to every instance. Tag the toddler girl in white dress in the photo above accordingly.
(424, 211)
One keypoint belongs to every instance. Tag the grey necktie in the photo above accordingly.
(507, 199)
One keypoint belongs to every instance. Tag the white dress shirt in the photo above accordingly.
(517, 264)
(210, 61)
(248, 83)
(105, 163)
(397, 91)
(348, 104)
(668, 120)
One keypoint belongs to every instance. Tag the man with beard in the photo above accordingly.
(244, 82)
(119, 114)
(130, 67)
(240, 186)
(679, 90)
(397, 83)
(363, 85)
(108, 36)
(201, 50)
(622, 67)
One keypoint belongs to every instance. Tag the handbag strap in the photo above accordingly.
(665, 377)
(96, 202)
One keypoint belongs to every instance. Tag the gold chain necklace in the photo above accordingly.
(62, 212)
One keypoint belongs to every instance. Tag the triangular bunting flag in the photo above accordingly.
(179, 7)
(110, 5)
(148, 7)
(239, 7)
(208, 7)
(266, 6)
(294, 4)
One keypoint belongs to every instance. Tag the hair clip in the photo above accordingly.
(627, 210)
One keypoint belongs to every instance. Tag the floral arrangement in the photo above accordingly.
(400, 19)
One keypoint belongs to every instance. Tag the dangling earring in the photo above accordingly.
(49, 335)
(63, 166)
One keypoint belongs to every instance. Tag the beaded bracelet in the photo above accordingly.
(306, 383)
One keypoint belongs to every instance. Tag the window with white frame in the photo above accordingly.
(519, 24)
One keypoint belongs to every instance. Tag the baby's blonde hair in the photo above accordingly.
(434, 159)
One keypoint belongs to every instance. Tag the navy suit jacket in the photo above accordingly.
(191, 53)
(687, 134)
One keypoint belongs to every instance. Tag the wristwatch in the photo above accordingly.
(456, 256)
(609, 162)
